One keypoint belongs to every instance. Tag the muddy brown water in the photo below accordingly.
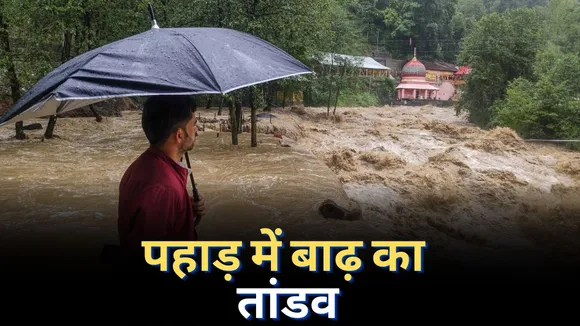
(470, 199)
(64, 191)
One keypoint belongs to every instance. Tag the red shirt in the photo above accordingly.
(154, 203)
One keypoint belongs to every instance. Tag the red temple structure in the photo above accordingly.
(413, 83)
(459, 76)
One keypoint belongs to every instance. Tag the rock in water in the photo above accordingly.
(33, 126)
(330, 209)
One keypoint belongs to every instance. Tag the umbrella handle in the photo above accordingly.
(194, 189)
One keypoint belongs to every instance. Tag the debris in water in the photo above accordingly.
(33, 126)
(570, 167)
(286, 142)
(298, 110)
(330, 209)
(341, 160)
(265, 115)
(382, 161)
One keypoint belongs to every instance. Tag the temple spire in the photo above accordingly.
(415, 54)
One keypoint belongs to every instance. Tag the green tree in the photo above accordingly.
(565, 24)
(548, 108)
(500, 48)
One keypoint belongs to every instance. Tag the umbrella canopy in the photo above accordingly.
(161, 61)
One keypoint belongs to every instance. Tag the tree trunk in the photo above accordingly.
(64, 56)
(336, 100)
(329, 96)
(270, 92)
(329, 85)
(97, 115)
(208, 103)
(20, 130)
(253, 109)
(233, 121)
(221, 105)
(87, 23)
(49, 132)
(338, 89)
(238, 115)
(12, 77)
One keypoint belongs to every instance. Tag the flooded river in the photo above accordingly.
(408, 168)
(65, 190)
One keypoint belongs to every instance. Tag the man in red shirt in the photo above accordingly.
(154, 203)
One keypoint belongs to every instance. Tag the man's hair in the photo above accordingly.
(163, 115)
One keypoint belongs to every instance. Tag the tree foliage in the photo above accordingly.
(524, 53)
(499, 49)
(525, 71)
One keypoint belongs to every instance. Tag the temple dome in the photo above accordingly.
(413, 68)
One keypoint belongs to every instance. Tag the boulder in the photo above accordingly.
(330, 209)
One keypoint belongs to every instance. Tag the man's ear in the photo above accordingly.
(178, 135)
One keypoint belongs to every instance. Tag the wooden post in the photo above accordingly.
(254, 131)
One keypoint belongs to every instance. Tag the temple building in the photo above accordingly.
(367, 66)
(459, 76)
(414, 85)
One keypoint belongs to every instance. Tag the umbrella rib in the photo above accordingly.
(205, 62)
(265, 81)
(146, 94)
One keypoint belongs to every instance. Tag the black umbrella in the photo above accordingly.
(161, 61)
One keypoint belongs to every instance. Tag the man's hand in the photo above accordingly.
(198, 208)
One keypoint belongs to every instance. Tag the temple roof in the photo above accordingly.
(357, 61)
(413, 68)
(440, 66)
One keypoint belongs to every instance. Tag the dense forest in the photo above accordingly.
(524, 53)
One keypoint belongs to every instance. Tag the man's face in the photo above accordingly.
(188, 136)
